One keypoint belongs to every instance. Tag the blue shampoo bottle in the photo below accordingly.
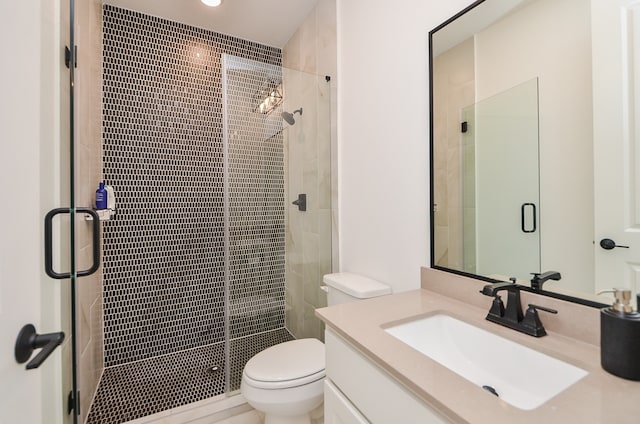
(101, 197)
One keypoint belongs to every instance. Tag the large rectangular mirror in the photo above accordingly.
(533, 143)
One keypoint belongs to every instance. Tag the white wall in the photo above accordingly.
(383, 132)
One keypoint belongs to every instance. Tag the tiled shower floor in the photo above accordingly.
(142, 388)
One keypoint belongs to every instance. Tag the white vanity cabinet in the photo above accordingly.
(358, 391)
(338, 409)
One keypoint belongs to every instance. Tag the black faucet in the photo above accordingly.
(538, 279)
(512, 315)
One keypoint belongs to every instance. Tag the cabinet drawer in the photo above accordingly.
(338, 409)
(374, 393)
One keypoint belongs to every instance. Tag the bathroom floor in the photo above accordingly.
(255, 417)
(142, 388)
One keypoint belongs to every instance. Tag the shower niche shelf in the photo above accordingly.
(104, 214)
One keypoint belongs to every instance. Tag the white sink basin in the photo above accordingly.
(519, 375)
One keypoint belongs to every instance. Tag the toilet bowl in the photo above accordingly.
(286, 381)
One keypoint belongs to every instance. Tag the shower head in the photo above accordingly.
(287, 116)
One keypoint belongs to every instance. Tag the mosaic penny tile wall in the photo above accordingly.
(163, 147)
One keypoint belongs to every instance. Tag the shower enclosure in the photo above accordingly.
(206, 261)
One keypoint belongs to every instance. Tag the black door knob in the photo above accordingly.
(28, 341)
(609, 244)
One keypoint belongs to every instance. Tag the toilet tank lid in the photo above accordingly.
(356, 285)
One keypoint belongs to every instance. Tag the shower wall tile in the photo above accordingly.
(90, 360)
(164, 253)
(324, 151)
(312, 325)
(326, 62)
(308, 34)
(291, 53)
(324, 248)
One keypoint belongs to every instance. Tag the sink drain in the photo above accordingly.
(491, 390)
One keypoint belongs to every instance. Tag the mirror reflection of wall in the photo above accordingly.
(454, 87)
(545, 39)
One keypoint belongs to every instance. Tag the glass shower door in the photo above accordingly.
(254, 211)
(277, 206)
(309, 233)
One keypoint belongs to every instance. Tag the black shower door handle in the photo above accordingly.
(523, 209)
(48, 243)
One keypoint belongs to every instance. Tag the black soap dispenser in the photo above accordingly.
(620, 336)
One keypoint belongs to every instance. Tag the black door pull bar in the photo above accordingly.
(522, 218)
(48, 243)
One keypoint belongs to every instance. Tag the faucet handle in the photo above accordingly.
(541, 308)
(532, 321)
(497, 307)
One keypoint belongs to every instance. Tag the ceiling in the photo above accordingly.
(270, 22)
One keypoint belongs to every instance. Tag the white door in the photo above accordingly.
(616, 99)
(30, 127)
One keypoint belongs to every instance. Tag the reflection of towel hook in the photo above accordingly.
(301, 203)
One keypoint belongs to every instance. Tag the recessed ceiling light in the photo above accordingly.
(212, 3)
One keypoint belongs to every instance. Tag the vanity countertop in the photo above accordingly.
(597, 398)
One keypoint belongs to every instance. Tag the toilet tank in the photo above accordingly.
(346, 287)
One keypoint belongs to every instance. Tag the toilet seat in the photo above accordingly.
(285, 384)
(289, 364)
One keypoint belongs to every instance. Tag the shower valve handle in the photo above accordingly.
(301, 203)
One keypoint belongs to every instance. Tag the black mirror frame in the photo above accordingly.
(542, 292)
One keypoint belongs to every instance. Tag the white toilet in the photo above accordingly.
(286, 381)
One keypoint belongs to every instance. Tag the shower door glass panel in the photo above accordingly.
(87, 125)
(308, 172)
(254, 210)
(277, 147)
(507, 188)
